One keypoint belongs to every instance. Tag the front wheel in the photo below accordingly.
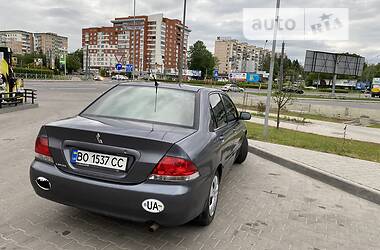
(243, 152)
(208, 213)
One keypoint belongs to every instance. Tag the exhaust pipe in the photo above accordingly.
(153, 227)
(43, 183)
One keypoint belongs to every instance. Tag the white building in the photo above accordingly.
(235, 56)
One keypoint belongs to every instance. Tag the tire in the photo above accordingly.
(209, 210)
(243, 152)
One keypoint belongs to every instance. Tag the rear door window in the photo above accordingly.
(218, 111)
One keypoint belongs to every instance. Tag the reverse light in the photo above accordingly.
(174, 169)
(42, 149)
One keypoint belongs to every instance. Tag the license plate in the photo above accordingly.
(99, 160)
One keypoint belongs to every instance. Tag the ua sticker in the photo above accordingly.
(153, 206)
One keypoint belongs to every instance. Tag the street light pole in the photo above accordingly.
(87, 60)
(134, 40)
(271, 71)
(181, 59)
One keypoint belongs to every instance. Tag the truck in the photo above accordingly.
(375, 91)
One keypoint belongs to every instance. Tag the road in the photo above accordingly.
(262, 205)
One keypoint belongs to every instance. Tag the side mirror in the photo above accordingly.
(245, 116)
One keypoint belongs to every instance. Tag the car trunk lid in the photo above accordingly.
(144, 144)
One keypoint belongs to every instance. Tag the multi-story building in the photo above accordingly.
(51, 45)
(151, 43)
(21, 42)
(235, 56)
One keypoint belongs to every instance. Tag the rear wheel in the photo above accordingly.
(243, 152)
(208, 213)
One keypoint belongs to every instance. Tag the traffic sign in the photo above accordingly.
(129, 68)
(119, 57)
(119, 66)
(216, 73)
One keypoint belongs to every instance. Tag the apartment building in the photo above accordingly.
(21, 42)
(50, 43)
(236, 56)
(151, 43)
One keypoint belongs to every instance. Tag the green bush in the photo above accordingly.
(338, 91)
(34, 71)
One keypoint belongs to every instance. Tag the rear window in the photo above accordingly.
(174, 107)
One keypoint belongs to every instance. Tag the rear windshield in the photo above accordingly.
(176, 107)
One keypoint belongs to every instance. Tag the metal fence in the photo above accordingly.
(18, 98)
(349, 110)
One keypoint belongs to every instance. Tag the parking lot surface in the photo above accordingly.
(262, 205)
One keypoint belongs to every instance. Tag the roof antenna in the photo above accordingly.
(155, 99)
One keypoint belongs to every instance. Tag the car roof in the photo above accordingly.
(177, 86)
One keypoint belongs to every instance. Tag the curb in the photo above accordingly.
(18, 108)
(348, 186)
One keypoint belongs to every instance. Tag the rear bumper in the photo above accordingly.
(183, 201)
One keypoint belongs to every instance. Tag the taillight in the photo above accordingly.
(42, 149)
(174, 169)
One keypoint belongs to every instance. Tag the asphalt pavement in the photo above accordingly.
(262, 205)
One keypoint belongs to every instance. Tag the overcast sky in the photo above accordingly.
(206, 18)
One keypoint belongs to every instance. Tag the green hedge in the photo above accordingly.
(34, 71)
(338, 91)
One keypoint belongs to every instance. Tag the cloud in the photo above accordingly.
(206, 18)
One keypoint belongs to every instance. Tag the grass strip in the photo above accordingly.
(349, 148)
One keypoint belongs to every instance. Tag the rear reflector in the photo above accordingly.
(42, 149)
(174, 169)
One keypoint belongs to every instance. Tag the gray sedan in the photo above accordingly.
(145, 152)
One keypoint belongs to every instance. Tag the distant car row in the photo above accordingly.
(115, 77)
(119, 77)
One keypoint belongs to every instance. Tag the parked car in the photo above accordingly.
(293, 90)
(119, 77)
(232, 88)
(98, 78)
(144, 153)
(310, 88)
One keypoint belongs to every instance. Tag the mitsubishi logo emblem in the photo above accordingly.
(100, 141)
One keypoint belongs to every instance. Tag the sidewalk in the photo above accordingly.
(331, 129)
(357, 177)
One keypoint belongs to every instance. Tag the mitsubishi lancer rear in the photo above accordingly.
(141, 152)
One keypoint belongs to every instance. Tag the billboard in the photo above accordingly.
(192, 73)
(376, 81)
(334, 63)
(240, 77)
(253, 78)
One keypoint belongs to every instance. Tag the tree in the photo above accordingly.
(201, 59)
(281, 98)
(370, 72)
(74, 61)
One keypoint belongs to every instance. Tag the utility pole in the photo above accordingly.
(65, 63)
(281, 78)
(87, 62)
(134, 40)
(271, 71)
(335, 75)
(180, 63)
